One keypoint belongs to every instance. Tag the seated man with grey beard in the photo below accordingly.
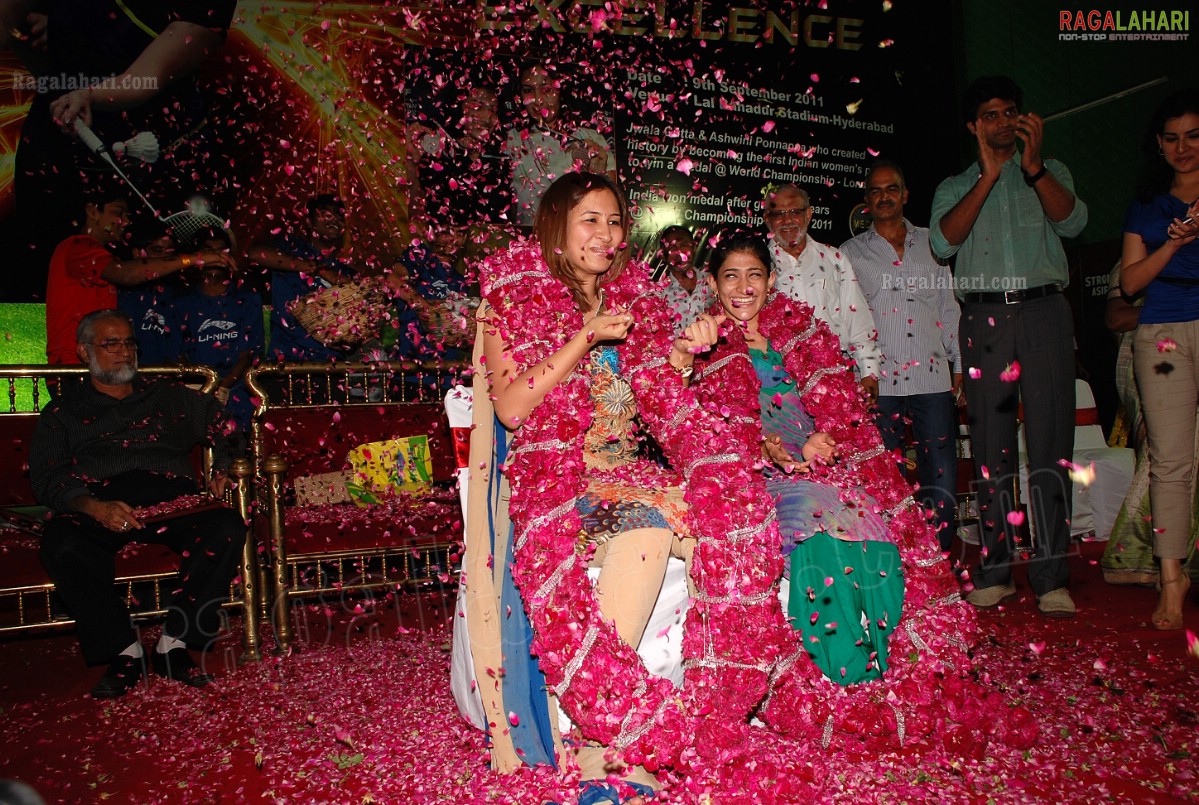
(117, 444)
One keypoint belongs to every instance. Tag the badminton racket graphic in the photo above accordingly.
(144, 147)
(187, 225)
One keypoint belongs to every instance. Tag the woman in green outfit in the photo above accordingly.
(847, 617)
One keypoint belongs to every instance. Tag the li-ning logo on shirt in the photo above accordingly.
(227, 333)
(154, 321)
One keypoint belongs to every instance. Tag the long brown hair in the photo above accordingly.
(553, 215)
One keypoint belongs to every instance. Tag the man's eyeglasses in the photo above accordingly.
(794, 212)
(115, 345)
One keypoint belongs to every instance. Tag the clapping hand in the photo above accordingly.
(1030, 128)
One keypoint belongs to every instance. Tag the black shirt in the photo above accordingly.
(87, 438)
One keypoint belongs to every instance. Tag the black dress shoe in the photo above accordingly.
(120, 678)
(177, 664)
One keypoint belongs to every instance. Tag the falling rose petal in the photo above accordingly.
(1037, 648)
(768, 127)
(975, 373)
(1012, 373)
(513, 719)
(684, 166)
(1167, 345)
(828, 581)
(1085, 476)
(1192, 644)
(1016, 518)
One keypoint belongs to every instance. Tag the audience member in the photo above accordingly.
(220, 325)
(151, 308)
(299, 266)
(911, 301)
(685, 293)
(99, 453)
(85, 272)
(548, 145)
(434, 298)
(1004, 217)
(1161, 256)
(820, 276)
(458, 167)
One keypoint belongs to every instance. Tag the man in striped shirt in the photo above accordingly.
(911, 300)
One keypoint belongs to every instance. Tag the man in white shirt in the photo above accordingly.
(687, 296)
(912, 303)
(821, 276)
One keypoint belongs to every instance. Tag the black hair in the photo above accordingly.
(325, 201)
(880, 164)
(674, 229)
(739, 242)
(105, 193)
(988, 87)
(1157, 175)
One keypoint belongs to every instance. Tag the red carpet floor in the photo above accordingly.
(363, 714)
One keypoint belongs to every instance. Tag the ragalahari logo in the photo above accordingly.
(1148, 25)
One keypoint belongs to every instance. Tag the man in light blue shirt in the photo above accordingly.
(911, 301)
(1004, 218)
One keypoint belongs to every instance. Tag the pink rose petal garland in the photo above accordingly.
(735, 631)
(741, 657)
(925, 686)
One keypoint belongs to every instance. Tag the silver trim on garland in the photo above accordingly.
(907, 502)
(723, 458)
(576, 662)
(554, 580)
(900, 723)
(537, 522)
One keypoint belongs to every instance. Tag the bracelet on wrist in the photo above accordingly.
(1031, 179)
(685, 371)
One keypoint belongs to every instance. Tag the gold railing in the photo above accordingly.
(282, 387)
(30, 607)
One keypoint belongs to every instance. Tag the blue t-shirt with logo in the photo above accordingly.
(433, 281)
(217, 329)
(150, 306)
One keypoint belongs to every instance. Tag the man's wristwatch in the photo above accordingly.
(1033, 178)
